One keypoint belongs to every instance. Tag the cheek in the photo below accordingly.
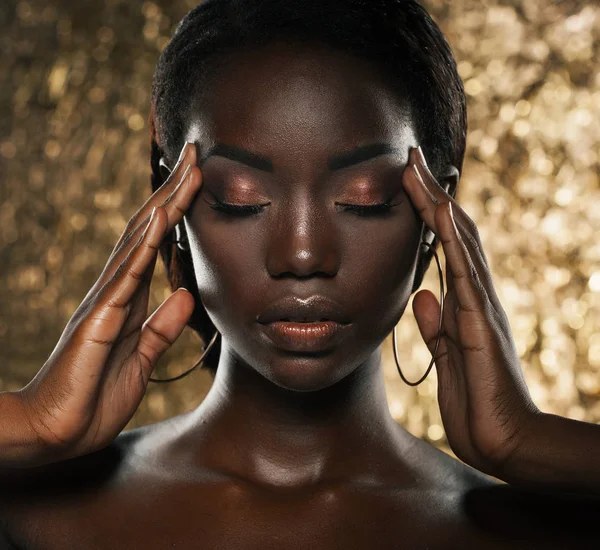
(226, 262)
(376, 260)
(383, 260)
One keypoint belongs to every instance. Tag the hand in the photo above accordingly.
(92, 383)
(485, 404)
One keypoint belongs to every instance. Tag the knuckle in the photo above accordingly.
(131, 224)
(180, 210)
(161, 337)
(133, 273)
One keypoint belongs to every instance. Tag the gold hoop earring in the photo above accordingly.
(214, 338)
(206, 350)
(439, 327)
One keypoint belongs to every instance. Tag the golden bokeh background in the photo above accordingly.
(74, 165)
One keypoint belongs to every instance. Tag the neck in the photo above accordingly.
(269, 435)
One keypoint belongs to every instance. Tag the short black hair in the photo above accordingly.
(399, 35)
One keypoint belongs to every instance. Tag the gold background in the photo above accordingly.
(74, 165)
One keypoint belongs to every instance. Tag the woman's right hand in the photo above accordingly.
(94, 380)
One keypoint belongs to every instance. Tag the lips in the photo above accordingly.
(304, 320)
(312, 309)
(306, 337)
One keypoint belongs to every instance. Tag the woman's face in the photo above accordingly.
(299, 106)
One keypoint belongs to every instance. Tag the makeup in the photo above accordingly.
(306, 337)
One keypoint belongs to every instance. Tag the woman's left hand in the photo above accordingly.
(485, 404)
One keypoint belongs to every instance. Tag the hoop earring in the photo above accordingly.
(206, 350)
(439, 327)
(182, 244)
(214, 338)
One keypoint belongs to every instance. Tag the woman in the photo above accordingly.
(300, 196)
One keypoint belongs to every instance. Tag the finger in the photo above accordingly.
(101, 321)
(175, 195)
(436, 193)
(470, 294)
(175, 205)
(163, 327)
(426, 193)
(186, 156)
(104, 324)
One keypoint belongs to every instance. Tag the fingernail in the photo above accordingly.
(452, 217)
(143, 235)
(183, 153)
(418, 174)
(421, 156)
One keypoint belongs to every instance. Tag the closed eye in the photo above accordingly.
(248, 210)
(371, 210)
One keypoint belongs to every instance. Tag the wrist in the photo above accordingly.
(557, 454)
(20, 446)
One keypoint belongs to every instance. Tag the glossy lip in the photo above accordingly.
(313, 308)
(306, 337)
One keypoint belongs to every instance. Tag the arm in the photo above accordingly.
(490, 419)
(558, 455)
(17, 439)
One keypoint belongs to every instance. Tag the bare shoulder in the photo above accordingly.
(34, 497)
(494, 514)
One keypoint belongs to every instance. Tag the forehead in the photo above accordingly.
(296, 99)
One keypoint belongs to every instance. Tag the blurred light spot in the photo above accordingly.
(523, 107)
(488, 147)
(495, 67)
(151, 30)
(473, 87)
(97, 95)
(8, 149)
(576, 412)
(24, 11)
(563, 196)
(105, 34)
(521, 128)
(100, 53)
(136, 122)
(397, 409)
(594, 282)
(465, 69)
(156, 403)
(150, 10)
(52, 149)
(550, 326)
(549, 364)
(78, 222)
(588, 383)
(57, 80)
(435, 432)
(594, 352)
(507, 112)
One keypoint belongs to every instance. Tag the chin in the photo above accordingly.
(304, 373)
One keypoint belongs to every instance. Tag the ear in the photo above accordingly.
(180, 232)
(449, 182)
(165, 171)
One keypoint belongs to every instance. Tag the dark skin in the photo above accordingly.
(291, 450)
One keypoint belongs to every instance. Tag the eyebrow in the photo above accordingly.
(336, 162)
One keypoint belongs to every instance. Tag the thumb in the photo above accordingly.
(164, 326)
(426, 309)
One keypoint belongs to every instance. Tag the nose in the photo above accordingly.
(303, 242)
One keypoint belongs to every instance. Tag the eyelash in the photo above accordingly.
(359, 210)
